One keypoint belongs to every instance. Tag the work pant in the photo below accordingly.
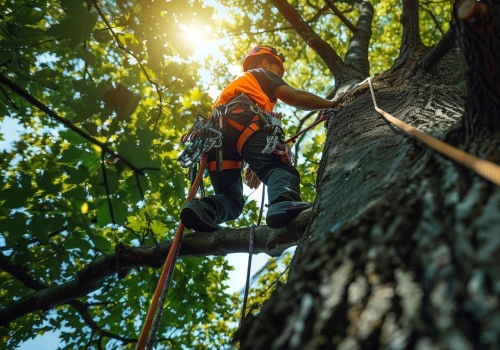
(282, 179)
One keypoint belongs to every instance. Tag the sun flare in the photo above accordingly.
(195, 35)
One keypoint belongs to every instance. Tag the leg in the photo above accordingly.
(227, 202)
(228, 198)
(282, 179)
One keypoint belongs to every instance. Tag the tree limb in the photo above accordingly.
(325, 51)
(411, 41)
(411, 26)
(357, 52)
(44, 108)
(340, 15)
(447, 43)
(124, 259)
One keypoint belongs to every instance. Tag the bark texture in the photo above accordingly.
(403, 248)
(392, 250)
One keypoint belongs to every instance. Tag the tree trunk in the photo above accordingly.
(402, 250)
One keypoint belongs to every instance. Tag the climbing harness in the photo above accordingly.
(482, 167)
(206, 133)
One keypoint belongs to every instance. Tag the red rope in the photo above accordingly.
(162, 286)
(296, 136)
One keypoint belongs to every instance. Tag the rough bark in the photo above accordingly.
(478, 30)
(403, 247)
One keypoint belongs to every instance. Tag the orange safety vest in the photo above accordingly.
(246, 84)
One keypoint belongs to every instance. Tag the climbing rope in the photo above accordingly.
(250, 253)
(325, 115)
(482, 167)
(147, 336)
(249, 267)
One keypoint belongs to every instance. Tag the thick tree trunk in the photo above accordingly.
(402, 250)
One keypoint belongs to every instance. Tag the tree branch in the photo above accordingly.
(447, 43)
(329, 56)
(357, 52)
(82, 309)
(41, 106)
(91, 278)
(411, 26)
(341, 16)
(411, 41)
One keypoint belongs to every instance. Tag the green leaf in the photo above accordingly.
(66, 28)
(101, 243)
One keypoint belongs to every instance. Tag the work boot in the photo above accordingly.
(280, 214)
(199, 216)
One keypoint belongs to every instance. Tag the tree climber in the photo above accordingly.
(250, 127)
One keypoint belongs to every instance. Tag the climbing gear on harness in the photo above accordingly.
(204, 135)
(199, 216)
(264, 50)
(251, 179)
(269, 122)
(281, 213)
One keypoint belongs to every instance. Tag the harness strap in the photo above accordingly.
(226, 165)
(246, 132)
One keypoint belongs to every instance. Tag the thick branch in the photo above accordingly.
(411, 26)
(329, 56)
(411, 41)
(447, 43)
(357, 52)
(266, 240)
(41, 106)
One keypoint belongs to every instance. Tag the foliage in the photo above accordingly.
(266, 281)
(101, 171)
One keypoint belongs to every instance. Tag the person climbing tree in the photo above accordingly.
(252, 133)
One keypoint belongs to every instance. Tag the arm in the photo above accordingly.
(301, 99)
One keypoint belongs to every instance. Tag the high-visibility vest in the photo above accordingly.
(246, 84)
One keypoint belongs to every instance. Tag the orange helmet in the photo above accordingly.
(264, 50)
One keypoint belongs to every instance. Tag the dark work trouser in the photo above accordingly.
(282, 179)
